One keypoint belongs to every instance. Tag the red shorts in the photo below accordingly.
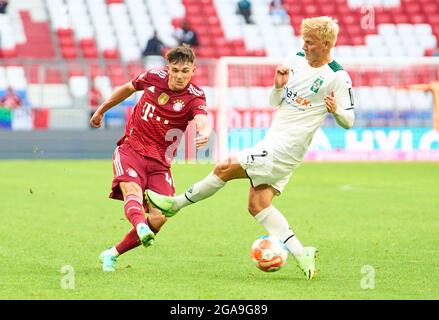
(148, 173)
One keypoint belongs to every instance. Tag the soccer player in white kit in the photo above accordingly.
(306, 88)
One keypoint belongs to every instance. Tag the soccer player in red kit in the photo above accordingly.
(142, 158)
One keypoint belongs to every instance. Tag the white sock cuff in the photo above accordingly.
(263, 214)
(113, 250)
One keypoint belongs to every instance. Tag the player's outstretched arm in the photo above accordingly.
(203, 130)
(344, 117)
(280, 80)
(119, 95)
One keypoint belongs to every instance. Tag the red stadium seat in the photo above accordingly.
(430, 7)
(224, 51)
(412, 8)
(111, 54)
(293, 8)
(69, 52)
(96, 70)
(135, 69)
(311, 10)
(66, 41)
(343, 10)
(90, 52)
(205, 40)
(417, 18)
(67, 32)
(400, 18)
(240, 52)
(433, 19)
(383, 18)
(328, 9)
(213, 20)
(357, 40)
(177, 22)
(193, 10)
(8, 53)
(259, 53)
(220, 42)
(205, 52)
(74, 69)
(84, 43)
(53, 76)
(343, 39)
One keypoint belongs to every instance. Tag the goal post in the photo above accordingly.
(222, 85)
(386, 97)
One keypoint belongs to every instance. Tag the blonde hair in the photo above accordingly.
(326, 27)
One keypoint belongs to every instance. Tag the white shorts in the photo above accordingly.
(263, 167)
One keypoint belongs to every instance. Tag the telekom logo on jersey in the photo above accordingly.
(148, 112)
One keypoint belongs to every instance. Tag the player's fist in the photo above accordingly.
(202, 138)
(96, 120)
(281, 76)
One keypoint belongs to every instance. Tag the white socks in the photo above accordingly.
(113, 251)
(199, 191)
(275, 223)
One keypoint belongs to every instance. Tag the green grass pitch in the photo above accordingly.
(386, 216)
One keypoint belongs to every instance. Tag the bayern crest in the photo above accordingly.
(178, 105)
(132, 173)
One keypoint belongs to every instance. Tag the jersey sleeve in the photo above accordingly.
(141, 81)
(344, 96)
(343, 92)
(276, 95)
(199, 106)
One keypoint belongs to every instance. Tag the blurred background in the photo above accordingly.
(61, 58)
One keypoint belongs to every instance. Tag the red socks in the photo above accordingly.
(134, 209)
(130, 241)
(134, 213)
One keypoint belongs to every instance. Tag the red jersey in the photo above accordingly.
(159, 119)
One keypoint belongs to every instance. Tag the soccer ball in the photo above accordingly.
(269, 253)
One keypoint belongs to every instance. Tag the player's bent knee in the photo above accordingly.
(229, 169)
(130, 188)
(221, 168)
(256, 205)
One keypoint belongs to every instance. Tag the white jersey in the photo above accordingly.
(302, 107)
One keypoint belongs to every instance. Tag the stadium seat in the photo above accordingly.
(78, 86)
(85, 29)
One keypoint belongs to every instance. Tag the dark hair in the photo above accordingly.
(183, 53)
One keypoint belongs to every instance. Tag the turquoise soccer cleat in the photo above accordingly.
(161, 202)
(108, 261)
(307, 262)
(145, 235)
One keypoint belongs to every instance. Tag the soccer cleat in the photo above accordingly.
(307, 262)
(145, 234)
(108, 261)
(161, 202)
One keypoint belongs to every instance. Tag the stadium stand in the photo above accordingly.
(54, 50)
